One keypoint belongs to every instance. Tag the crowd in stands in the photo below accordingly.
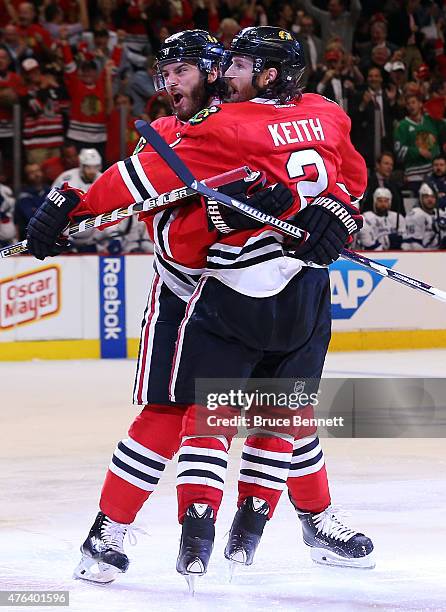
(73, 65)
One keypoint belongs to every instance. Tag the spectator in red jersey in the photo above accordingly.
(122, 103)
(43, 130)
(91, 98)
(12, 89)
(54, 166)
(35, 35)
(435, 105)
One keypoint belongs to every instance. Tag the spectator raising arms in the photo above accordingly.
(336, 22)
(91, 98)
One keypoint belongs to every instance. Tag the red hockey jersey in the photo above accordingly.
(304, 144)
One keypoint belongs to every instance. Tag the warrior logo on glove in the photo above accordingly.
(340, 211)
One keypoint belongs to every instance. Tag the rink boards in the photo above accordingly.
(88, 306)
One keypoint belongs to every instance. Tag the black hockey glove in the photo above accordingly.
(330, 223)
(274, 200)
(49, 220)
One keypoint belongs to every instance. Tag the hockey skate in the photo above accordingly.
(246, 531)
(103, 556)
(333, 543)
(197, 542)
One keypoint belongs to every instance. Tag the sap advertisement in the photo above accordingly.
(363, 299)
(104, 298)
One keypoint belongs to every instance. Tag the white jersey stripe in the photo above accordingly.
(147, 334)
(143, 176)
(128, 182)
(179, 347)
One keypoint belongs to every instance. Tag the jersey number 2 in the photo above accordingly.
(297, 166)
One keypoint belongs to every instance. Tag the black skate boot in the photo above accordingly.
(103, 556)
(197, 542)
(333, 543)
(246, 531)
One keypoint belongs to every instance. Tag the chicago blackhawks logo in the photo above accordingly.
(285, 35)
(91, 105)
(204, 114)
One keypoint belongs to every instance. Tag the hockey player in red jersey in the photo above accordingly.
(285, 140)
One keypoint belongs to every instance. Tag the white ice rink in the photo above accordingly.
(60, 422)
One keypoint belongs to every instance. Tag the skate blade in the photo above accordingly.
(92, 571)
(238, 558)
(326, 557)
(190, 579)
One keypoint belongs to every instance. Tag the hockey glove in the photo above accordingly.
(274, 200)
(395, 241)
(330, 223)
(50, 219)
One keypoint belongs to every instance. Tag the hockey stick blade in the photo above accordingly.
(399, 277)
(184, 174)
(160, 201)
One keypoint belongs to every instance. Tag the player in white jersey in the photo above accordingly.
(7, 227)
(383, 228)
(425, 224)
(90, 163)
(83, 177)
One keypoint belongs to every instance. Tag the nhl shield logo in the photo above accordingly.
(299, 387)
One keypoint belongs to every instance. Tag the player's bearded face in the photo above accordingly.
(239, 79)
(185, 87)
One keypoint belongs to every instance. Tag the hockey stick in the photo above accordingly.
(163, 200)
(183, 173)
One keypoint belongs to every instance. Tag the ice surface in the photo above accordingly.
(60, 422)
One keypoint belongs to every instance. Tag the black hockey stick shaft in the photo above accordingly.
(184, 174)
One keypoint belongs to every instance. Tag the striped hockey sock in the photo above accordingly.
(307, 482)
(138, 461)
(201, 473)
(264, 469)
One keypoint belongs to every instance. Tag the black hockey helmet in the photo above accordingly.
(270, 46)
(195, 46)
